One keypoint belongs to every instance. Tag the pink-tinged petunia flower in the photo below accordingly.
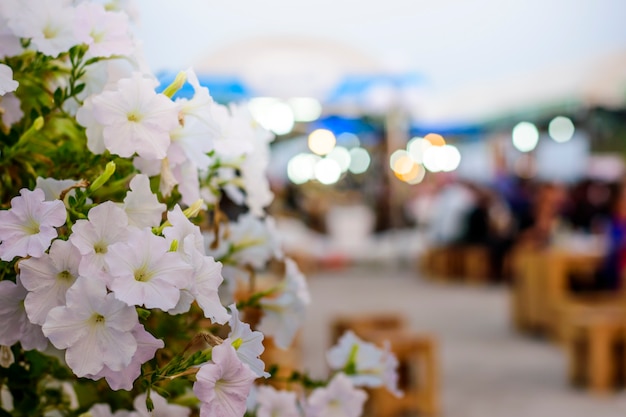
(48, 23)
(135, 118)
(161, 407)
(144, 272)
(248, 343)
(107, 33)
(147, 345)
(107, 224)
(284, 312)
(15, 324)
(142, 205)
(94, 327)
(29, 226)
(223, 385)
(7, 83)
(48, 278)
(93, 129)
(275, 403)
(339, 399)
(53, 188)
(370, 365)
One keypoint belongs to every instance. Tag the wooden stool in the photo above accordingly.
(363, 323)
(592, 340)
(476, 264)
(418, 375)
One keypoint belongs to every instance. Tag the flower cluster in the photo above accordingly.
(122, 276)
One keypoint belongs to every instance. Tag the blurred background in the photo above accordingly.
(454, 166)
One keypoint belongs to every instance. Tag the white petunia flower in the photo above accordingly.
(9, 43)
(48, 23)
(48, 278)
(285, 312)
(339, 399)
(223, 385)
(275, 403)
(15, 324)
(107, 33)
(180, 228)
(53, 188)
(10, 110)
(93, 129)
(251, 240)
(365, 363)
(7, 83)
(204, 285)
(135, 118)
(107, 225)
(147, 345)
(94, 327)
(144, 272)
(29, 226)
(248, 343)
(104, 410)
(142, 205)
(161, 407)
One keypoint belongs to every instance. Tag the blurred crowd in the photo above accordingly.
(516, 213)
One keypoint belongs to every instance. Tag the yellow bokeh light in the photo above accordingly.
(435, 139)
(322, 141)
(403, 165)
(414, 176)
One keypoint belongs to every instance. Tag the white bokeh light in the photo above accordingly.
(433, 158)
(399, 154)
(301, 168)
(321, 141)
(525, 136)
(305, 109)
(342, 156)
(450, 158)
(273, 114)
(416, 148)
(561, 129)
(327, 171)
(359, 160)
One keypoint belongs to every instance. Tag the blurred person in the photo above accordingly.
(610, 275)
(537, 230)
(448, 211)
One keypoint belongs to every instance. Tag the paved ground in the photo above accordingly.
(487, 369)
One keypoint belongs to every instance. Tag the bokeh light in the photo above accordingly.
(450, 158)
(433, 158)
(359, 160)
(348, 140)
(342, 156)
(305, 109)
(414, 176)
(321, 141)
(416, 148)
(327, 171)
(272, 114)
(300, 168)
(397, 155)
(525, 136)
(561, 129)
(435, 139)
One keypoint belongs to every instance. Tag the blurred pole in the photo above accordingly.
(396, 137)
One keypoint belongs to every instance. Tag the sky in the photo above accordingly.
(450, 43)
